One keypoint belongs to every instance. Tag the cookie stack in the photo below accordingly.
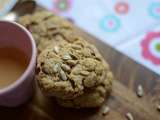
(68, 67)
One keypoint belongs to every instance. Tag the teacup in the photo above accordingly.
(14, 36)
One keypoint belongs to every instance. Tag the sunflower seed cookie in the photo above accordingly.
(47, 28)
(73, 73)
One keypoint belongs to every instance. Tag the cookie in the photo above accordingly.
(68, 70)
(47, 28)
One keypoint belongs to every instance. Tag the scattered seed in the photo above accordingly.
(72, 62)
(65, 67)
(56, 49)
(129, 116)
(63, 75)
(106, 110)
(67, 57)
(85, 73)
(140, 91)
(56, 68)
(158, 107)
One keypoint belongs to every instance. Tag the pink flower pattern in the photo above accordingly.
(60, 6)
(146, 52)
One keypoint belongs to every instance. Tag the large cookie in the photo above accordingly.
(74, 71)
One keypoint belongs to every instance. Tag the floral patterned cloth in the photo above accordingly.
(130, 26)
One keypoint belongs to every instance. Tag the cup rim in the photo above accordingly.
(31, 64)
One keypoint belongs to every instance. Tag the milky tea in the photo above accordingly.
(13, 63)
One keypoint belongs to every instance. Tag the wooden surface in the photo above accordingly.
(123, 99)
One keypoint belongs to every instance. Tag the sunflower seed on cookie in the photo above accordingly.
(62, 75)
(65, 67)
(56, 49)
(67, 57)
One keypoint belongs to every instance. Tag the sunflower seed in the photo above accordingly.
(67, 57)
(65, 67)
(72, 62)
(77, 47)
(140, 91)
(85, 73)
(129, 116)
(158, 107)
(56, 68)
(63, 75)
(56, 49)
(106, 110)
(45, 70)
